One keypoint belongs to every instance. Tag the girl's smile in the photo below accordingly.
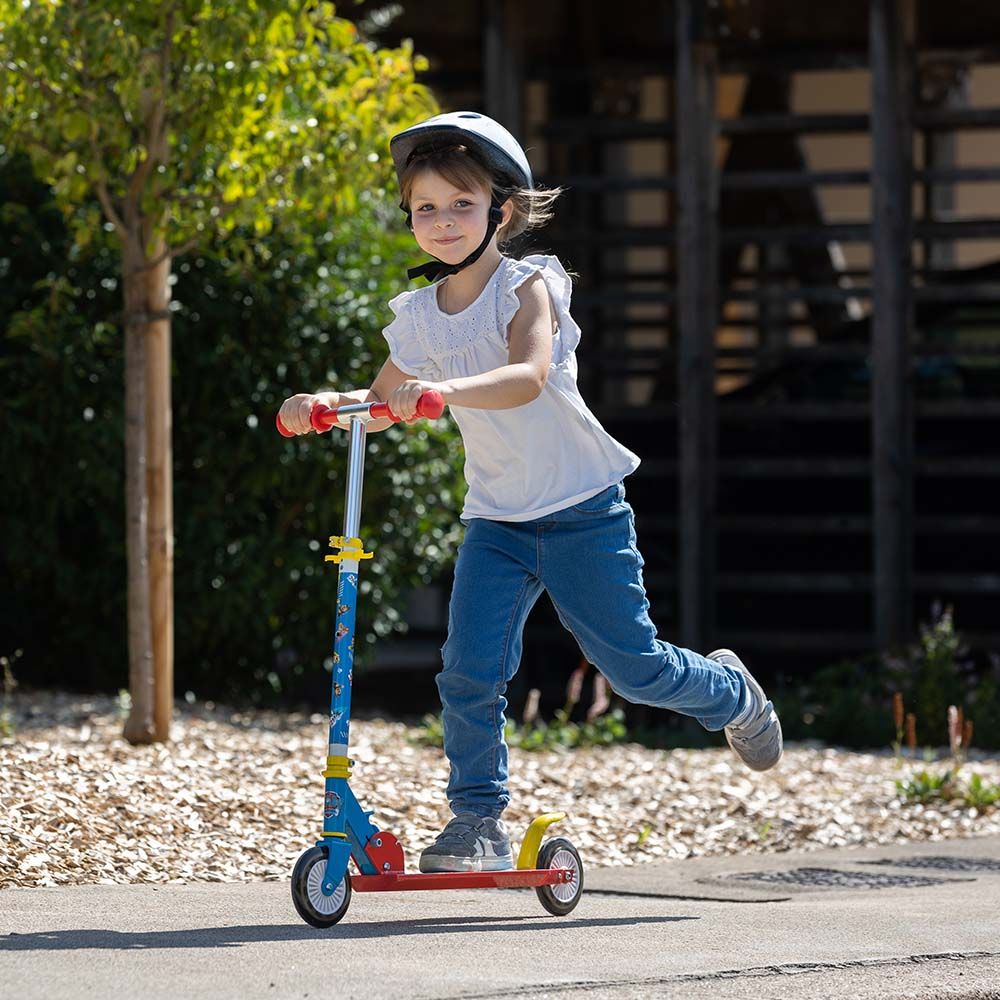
(447, 220)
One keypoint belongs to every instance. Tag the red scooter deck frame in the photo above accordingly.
(509, 879)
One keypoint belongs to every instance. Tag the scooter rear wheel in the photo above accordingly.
(307, 890)
(561, 898)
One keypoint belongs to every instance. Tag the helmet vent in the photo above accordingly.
(469, 115)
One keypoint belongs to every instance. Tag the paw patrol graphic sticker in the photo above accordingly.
(331, 805)
(342, 630)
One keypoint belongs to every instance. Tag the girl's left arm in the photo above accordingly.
(518, 382)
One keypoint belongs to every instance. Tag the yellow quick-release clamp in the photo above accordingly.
(351, 550)
(338, 767)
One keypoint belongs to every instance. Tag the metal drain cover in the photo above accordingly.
(832, 878)
(942, 863)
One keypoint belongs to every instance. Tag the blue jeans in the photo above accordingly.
(586, 558)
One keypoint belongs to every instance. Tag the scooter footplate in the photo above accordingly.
(510, 879)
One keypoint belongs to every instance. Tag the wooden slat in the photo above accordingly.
(959, 409)
(977, 467)
(844, 232)
(840, 57)
(966, 294)
(764, 180)
(831, 583)
(821, 642)
(624, 130)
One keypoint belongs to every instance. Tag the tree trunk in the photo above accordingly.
(139, 725)
(159, 479)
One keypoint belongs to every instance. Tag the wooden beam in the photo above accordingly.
(503, 63)
(891, 27)
(697, 268)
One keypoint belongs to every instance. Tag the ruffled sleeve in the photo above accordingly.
(560, 287)
(406, 347)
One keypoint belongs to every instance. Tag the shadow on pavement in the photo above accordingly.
(233, 937)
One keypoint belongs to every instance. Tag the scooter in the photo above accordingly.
(321, 883)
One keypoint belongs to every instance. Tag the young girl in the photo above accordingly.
(546, 506)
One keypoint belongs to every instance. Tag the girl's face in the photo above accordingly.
(448, 222)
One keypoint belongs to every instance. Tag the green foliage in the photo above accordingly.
(559, 732)
(925, 787)
(212, 119)
(254, 599)
(980, 795)
(850, 703)
(9, 684)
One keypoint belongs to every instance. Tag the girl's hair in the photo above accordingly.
(459, 165)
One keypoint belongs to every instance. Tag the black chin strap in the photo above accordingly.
(435, 269)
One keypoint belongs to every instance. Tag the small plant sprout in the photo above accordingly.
(899, 721)
(530, 714)
(9, 686)
(602, 697)
(956, 735)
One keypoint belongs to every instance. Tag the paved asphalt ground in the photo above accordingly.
(839, 924)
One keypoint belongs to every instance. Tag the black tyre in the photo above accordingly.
(559, 899)
(307, 890)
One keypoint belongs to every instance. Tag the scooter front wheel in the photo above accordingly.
(307, 890)
(559, 899)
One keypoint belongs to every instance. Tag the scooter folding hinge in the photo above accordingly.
(351, 550)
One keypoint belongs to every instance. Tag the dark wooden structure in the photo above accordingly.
(820, 429)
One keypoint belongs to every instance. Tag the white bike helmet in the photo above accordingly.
(495, 146)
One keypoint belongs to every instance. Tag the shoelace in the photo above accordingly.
(461, 829)
(743, 734)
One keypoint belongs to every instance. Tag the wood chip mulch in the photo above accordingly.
(238, 796)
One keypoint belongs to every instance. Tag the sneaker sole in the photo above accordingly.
(750, 679)
(448, 863)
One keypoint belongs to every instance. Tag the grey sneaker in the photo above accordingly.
(469, 843)
(756, 737)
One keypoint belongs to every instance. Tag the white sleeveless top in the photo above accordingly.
(527, 461)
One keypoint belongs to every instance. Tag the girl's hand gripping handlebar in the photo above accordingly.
(430, 405)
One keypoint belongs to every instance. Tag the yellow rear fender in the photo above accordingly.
(528, 855)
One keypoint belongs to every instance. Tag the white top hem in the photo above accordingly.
(531, 515)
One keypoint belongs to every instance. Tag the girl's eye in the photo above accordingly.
(422, 207)
(462, 201)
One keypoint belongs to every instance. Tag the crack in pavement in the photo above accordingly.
(761, 971)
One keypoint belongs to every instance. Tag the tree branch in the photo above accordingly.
(103, 195)
(157, 119)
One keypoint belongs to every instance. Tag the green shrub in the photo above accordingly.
(254, 600)
(924, 786)
(850, 703)
(559, 732)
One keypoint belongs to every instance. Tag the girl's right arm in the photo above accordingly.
(295, 410)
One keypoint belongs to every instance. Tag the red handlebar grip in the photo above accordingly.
(322, 417)
(430, 405)
(282, 429)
